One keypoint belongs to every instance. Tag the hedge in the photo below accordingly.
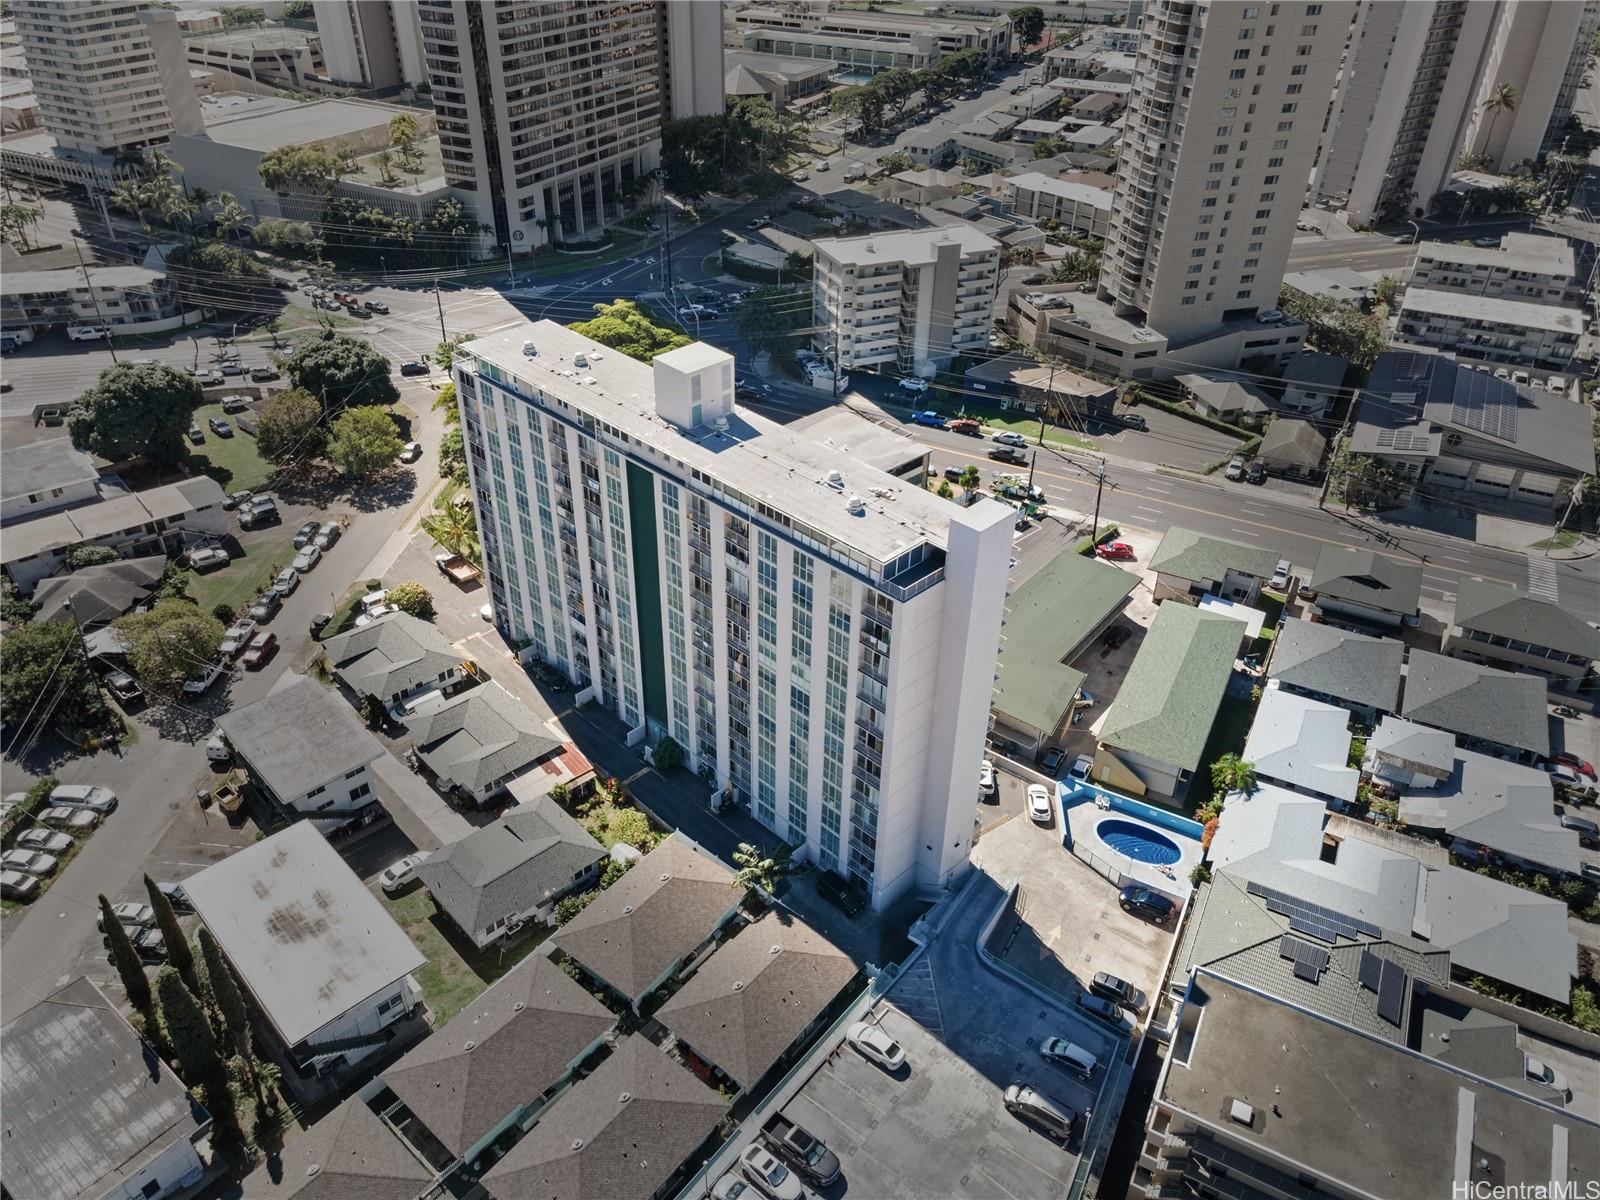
(1086, 547)
(1189, 414)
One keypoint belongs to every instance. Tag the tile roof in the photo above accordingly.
(1367, 577)
(654, 915)
(1302, 743)
(299, 737)
(480, 737)
(393, 654)
(1170, 696)
(1197, 557)
(508, 867)
(500, 1053)
(1502, 611)
(756, 994)
(1502, 805)
(617, 1135)
(1335, 662)
(1476, 701)
(348, 1155)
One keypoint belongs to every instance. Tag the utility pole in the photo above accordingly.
(1044, 409)
(443, 336)
(511, 273)
(1094, 534)
(94, 299)
(666, 254)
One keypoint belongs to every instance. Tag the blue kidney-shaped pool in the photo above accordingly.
(1138, 842)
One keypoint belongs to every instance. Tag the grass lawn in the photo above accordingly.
(1564, 539)
(998, 418)
(624, 244)
(1270, 603)
(266, 552)
(457, 971)
(231, 461)
(1227, 737)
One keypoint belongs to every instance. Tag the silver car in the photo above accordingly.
(84, 795)
(29, 862)
(308, 558)
(288, 579)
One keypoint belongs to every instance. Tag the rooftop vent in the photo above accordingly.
(738, 985)
(530, 350)
(775, 949)
(856, 506)
(469, 1045)
(720, 424)
(312, 1170)
(833, 479)
(579, 360)
(1241, 1113)
(518, 1006)
(624, 1097)
(577, 1143)
(627, 909)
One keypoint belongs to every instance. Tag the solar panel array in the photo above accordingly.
(1388, 980)
(1403, 439)
(1486, 404)
(1313, 920)
(1309, 961)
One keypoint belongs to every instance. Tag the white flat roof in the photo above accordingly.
(298, 124)
(912, 246)
(67, 279)
(1516, 252)
(1067, 189)
(1494, 309)
(303, 934)
(760, 460)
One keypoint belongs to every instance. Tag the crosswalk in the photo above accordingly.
(1542, 579)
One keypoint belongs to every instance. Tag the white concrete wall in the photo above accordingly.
(335, 797)
(170, 1171)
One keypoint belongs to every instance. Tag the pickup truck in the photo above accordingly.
(456, 568)
(202, 682)
(811, 1160)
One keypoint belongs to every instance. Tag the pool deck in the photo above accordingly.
(1083, 807)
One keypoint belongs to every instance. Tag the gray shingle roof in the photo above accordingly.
(393, 654)
(1494, 803)
(1434, 750)
(508, 867)
(499, 1053)
(1502, 611)
(1303, 743)
(1476, 701)
(1227, 395)
(1348, 666)
(41, 466)
(480, 737)
(1502, 931)
(746, 1005)
(1366, 577)
(100, 593)
(86, 1102)
(1195, 556)
(1293, 441)
(348, 1155)
(618, 1135)
(300, 737)
(650, 918)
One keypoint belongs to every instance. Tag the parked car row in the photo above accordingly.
(73, 811)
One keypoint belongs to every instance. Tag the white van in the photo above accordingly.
(88, 333)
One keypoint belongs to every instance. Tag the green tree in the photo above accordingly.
(290, 428)
(44, 677)
(624, 327)
(895, 162)
(1076, 267)
(758, 869)
(135, 411)
(126, 960)
(17, 220)
(79, 557)
(230, 216)
(666, 755)
(342, 372)
(373, 712)
(1336, 328)
(444, 400)
(971, 479)
(169, 643)
(454, 527)
(225, 990)
(1029, 25)
(411, 597)
(444, 355)
(235, 18)
(299, 10)
(298, 168)
(1049, 147)
(1230, 773)
(178, 952)
(798, 267)
(770, 320)
(1383, 292)
(363, 442)
(1502, 99)
(283, 236)
(188, 1032)
(453, 455)
(403, 131)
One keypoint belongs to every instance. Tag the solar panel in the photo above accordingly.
(1392, 992)
(1486, 404)
(1315, 920)
(1311, 927)
(1307, 972)
(1309, 961)
(1370, 970)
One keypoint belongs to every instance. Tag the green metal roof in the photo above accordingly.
(1196, 556)
(1170, 697)
(1505, 612)
(1047, 620)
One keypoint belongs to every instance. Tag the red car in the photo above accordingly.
(1114, 550)
(1573, 761)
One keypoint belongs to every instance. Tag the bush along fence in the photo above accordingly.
(1087, 545)
(1188, 414)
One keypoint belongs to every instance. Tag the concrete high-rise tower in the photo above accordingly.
(371, 43)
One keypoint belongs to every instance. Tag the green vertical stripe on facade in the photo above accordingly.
(647, 591)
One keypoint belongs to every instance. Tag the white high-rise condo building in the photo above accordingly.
(1225, 116)
(95, 74)
(912, 298)
(550, 111)
(371, 43)
(817, 635)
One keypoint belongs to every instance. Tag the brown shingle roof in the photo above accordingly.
(348, 1155)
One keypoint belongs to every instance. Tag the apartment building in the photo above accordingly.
(1076, 207)
(94, 73)
(1227, 111)
(550, 113)
(1524, 267)
(822, 31)
(371, 43)
(1572, 77)
(805, 626)
(912, 299)
(129, 299)
(1490, 329)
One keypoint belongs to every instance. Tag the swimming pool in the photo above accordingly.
(1138, 842)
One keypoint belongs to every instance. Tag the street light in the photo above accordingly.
(382, 262)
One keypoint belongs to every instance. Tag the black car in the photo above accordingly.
(233, 499)
(747, 393)
(1117, 990)
(319, 623)
(265, 606)
(1142, 902)
(954, 474)
(413, 368)
(841, 893)
(305, 533)
(1257, 472)
(1133, 421)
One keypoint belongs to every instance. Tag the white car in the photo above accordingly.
(308, 558)
(875, 1044)
(1007, 438)
(288, 579)
(130, 913)
(986, 778)
(732, 1186)
(29, 862)
(18, 885)
(915, 386)
(45, 841)
(206, 558)
(397, 874)
(373, 613)
(217, 748)
(1040, 808)
(1538, 1071)
(410, 452)
(769, 1175)
(84, 795)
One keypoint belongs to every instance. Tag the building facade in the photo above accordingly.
(1226, 116)
(867, 43)
(371, 43)
(1524, 266)
(95, 74)
(1488, 329)
(912, 299)
(807, 628)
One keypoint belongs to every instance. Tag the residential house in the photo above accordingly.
(1455, 429)
(1189, 565)
(1366, 586)
(396, 658)
(1234, 401)
(1327, 663)
(351, 1152)
(1293, 448)
(98, 594)
(1024, 385)
(479, 741)
(658, 919)
(41, 477)
(92, 1112)
(1498, 810)
(1489, 329)
(1155, 733)
(325, 966)
(1312, 383)
(1500, 711)
(492, 1066)
(1051, 619)
(1303, 745)
(510, 872)
(306, 752)
(764, 990)
(1503, 627)
(1404, 755)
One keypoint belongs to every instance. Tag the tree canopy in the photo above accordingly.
(624, 327)
(341, 372)
(701, 153)
(168, 644)
(770, 318)
(135, 410)
(363, 442)
(43, 672)
(290, 427)
(411, 597)
(1336, 328)
(301, 168)
(1029, 25)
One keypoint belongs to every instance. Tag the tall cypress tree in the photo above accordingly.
(178, 952)
(126, 959)
(225, 990)
(188, 1031)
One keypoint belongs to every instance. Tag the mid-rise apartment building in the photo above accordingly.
(94, 73)
(1489, 329)
(912, 299)
(371, 43)
(811, 630)
(550, 113)
(868, 43)
(1524, 267)
(1225, 118)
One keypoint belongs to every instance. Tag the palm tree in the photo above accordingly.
(383, 158)
(759, 870)
(454, 528)
(18, 219)
(1502, 100)
(1230, 773)
(231, 215)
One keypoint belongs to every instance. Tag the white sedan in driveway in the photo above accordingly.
(1040, 806)
(398, 874)
(877, 1045)
(986, 778)
(308, 558)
